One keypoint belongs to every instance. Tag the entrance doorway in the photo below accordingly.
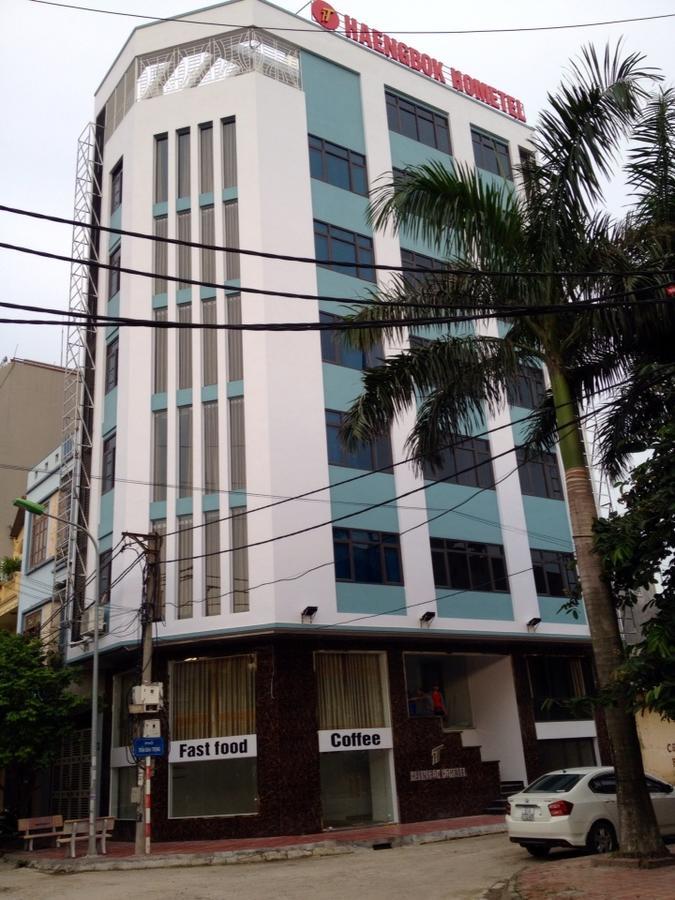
(356, 788)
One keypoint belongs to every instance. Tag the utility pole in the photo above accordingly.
(150, 544)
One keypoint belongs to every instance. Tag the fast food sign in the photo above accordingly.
(379, 42)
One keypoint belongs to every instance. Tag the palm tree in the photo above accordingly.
(552, 226)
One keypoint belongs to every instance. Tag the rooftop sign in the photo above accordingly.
(375, 40)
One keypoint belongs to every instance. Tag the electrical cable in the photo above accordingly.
(198, 245)
(319, 30)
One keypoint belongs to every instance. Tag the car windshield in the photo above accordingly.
(558, 783)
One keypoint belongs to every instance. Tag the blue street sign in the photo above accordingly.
(153, 746)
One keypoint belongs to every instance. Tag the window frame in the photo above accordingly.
(419, 112)
(528, 389)
(548, 471)
(491, 143)
(160, 186)
(385, 542)
(354, 161)
(482, 476)
(378, 451)
(335, 352)
(360, 244)
(183, 163)
(116, 187)
(114, 274)
(111, 364)
(489, 554)
(108, 454)
(568, 575)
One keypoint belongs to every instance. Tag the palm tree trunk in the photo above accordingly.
(639, 832)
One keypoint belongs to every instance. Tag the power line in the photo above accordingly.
(283, 257)
(318, 30)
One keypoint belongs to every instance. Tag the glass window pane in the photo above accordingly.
(458, 566)
(214, 788)
(337, 171)
(343, 569)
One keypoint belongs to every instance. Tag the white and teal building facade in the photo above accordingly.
(392, 665)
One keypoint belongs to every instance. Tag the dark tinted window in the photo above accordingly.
(418, 122)
(111, 362)
(334, 349)
(369, 557)
(337, 165)
(376, 455)
(558, 783)
(528, 388)
(114, 262)
(344, 251)
(491, 154)
(467, 462)
(539, 475)
(468, 565)
(116, 187)
(555, 574)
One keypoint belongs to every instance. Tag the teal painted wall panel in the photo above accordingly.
(476, 520)
(346, 498)
(370, 598)
(206, 199)
(209, 393)
(182, 204)
(158, 510)
(237, 499)
(550, 612)
(184, 397)
(160, 209)
(158, 401)
(334, 284)
(339, 207)
(235, 389)
(109, 411)
(184, 295)
(474, 605)
(230, 193)
(210, 502)
(160, 301)
(105, 543)
(333, 99)
(115, 222)
(547, 524)
(105, 524)
(407, 152)
(184, 506)
(341, 386)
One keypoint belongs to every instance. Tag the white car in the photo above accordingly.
(577, 808)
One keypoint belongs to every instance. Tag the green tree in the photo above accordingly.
(637, 552)
(37, 706)
(552, 226)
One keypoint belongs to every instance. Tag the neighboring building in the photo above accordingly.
(31, 412)
(10, 576)
(300, 672)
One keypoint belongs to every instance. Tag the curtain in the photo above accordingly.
(213, 698)
(350, 691)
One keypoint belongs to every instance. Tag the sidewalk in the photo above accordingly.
(585, 878)
(263, 849)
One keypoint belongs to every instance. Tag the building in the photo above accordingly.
(390, 666)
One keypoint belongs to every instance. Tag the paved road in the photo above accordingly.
(454, 870)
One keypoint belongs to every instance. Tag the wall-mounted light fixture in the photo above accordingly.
(308, 613)
(427, 618)
(533, 623)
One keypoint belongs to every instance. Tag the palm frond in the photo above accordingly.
(650, 168)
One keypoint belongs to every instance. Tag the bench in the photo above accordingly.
(78, 830)
(40, 827)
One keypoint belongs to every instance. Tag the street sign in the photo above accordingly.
(148, 746)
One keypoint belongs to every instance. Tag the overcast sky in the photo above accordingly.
(52, 60)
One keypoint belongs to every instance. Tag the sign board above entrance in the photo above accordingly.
(211, 749)
(355, 739)
(326, 16)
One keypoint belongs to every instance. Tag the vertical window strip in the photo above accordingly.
(229, 154)
(183, 167)
(160, 255)
(161, 189)
(184, 253)
(231, 232)
(235, 355)
(185, 451)
(208, 236)
(209, 344)
(160, 527)
(160, 350)
(211, 461)
(237, 445)
(239, 535)
(185, 347)
(185, 567)
(206, 158)
(159, 455)
(212, 563)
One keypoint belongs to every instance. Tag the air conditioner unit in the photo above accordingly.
(88, 619)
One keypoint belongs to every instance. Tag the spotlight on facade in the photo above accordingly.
(308, 613)
(533, 623)
(427, 618)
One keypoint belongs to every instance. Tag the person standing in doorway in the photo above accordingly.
(438, 702)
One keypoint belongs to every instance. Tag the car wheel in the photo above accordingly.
(541, 851)
(601, 838)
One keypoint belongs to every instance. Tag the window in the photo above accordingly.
(468, 565)
(239, 538)
(184, 252)
(160, 254)
(539, 475)
(32, 625)
(527, 390)
(183, 167)
(210, 425)
(235, 351)
(231, 232)
(185, 347)
(337, 165)
(212, 563)
(229, 154)
(160, 350)
(335, 349)
(209, 344)
(527, 163)
(376, 455)
(208, 257)
(467, 462)
(216, 787)
(412, 260)
(350, 691)
(418, 122)
(116, 187)
(159, 455)
(336, 245)
(161, 192)
(185, 567)
(565, 753)
(555, 574)
(114, 273)
(104, 577)
(159, 526)
(491, 154)
(437, 685)
(237, 444)
(108, 467)
(555, 679)
(206, 158)
(369, 557)
(111, 364)
(184, 451)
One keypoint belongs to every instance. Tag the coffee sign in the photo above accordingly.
(326, 16)
(208, 749)
(355, 739)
